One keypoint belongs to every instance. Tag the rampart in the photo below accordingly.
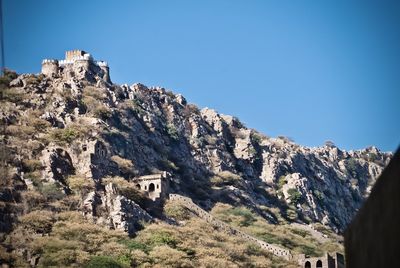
(76, 59)
(187, 202)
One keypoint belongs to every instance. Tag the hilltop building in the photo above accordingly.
(76, 61)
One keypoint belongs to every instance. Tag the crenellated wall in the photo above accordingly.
(76, 60)
(186, 201)
(50, 67)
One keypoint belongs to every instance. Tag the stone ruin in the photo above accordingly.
(155, 186)
(76, 61)
(335, 260)
(201, 213)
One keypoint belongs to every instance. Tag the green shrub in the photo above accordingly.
(125, 165)
(102, 112)
(176, 210)
(352, 165)
(318, 195)
(103, 262)
(256, 137)
(300, 232)
(291, 213)
(80, 185)
(162, 237)
(126, 189)
(133, 244)
(35, 177)
(166, 256)
(65, 136)
(39, 220)
(172, 132)
(247, 216)
(52, 191)
(20, 131)
(310, 250)
(39, 124)
(372, 157)
(281, 181)
(294, 195)
(253, 249)
(226, 178)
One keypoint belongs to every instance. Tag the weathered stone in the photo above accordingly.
(17, 82)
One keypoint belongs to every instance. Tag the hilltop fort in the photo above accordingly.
(76, 61)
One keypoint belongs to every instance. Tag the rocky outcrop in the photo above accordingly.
(92, 128)
(114, 210)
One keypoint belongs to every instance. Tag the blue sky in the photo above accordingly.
(309, 70)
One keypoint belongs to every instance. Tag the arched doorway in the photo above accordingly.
(138, 186)
(151, 187)
(307, 264)
(319, 264)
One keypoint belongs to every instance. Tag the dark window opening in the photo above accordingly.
(151, 187)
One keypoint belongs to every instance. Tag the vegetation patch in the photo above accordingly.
(224, 178)
(295, 196)
(172, 132)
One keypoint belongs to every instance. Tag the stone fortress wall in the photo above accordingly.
(187, 202)
(75, 58)
(335, 260)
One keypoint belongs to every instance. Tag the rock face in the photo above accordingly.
(89, 127)
(120, 212)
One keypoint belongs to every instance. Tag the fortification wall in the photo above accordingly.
(49, 67)
(186, 201)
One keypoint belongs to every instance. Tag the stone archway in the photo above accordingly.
(307, 264)
(138, 186)
(152, 187)
(319, 264)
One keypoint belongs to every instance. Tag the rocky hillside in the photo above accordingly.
(68, 135)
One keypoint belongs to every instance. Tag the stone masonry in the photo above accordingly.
(335, 260)
(75, 62)
(154, 185)
(187, 202)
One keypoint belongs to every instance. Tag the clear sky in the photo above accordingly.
(309, 70)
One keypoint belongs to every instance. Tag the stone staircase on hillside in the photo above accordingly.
(187, 202)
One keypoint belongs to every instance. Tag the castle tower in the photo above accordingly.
(74, 54)
(104, 67)
(50, 67)
(77, 62)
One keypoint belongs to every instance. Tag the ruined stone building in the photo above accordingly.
(335, 260)
(76, 62)
(155, 186)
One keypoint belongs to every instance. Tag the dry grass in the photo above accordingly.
(298, 241)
